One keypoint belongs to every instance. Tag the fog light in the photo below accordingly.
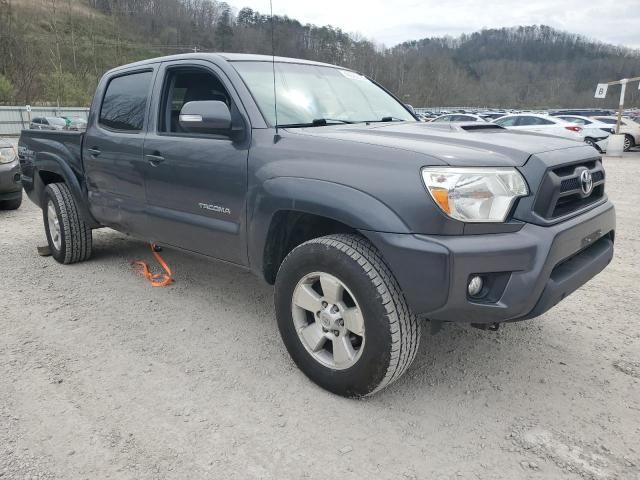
(475, 286)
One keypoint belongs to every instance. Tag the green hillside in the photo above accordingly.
(54, 51)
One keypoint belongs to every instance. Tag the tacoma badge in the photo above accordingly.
(215, 208)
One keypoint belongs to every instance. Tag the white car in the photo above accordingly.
(592, 128)
(549, 125)
(629, 128)
(459, 117)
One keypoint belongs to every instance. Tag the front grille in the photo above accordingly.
(574, 182)
(561, 194)
(575, 201)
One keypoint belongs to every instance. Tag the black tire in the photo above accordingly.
(11, 204)
(75, 235)
(628, 142)
(392, 331)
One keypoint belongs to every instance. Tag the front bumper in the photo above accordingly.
(532, 269)
(603, 144)
(10, 183)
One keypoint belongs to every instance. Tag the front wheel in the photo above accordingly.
(343, 317)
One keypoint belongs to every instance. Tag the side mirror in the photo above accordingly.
(410, 107)
(203, 116)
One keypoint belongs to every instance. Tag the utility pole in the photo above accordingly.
(601, 92)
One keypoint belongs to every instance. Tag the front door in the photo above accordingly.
(196, 184)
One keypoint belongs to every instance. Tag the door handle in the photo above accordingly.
(154, 160)
(94, 151)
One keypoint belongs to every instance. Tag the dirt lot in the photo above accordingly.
(102, 376)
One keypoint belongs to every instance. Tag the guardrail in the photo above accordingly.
(14, 119)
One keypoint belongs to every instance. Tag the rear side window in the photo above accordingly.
(125, 102)
(610, 121)
(526, 121)
(507, 121)
(579, 121)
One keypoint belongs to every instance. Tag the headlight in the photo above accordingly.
(7, 154)
(475, 194)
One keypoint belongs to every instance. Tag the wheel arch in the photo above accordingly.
(290, 211)
(51, 168)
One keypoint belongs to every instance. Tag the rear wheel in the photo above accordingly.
(68, 236)
(343, 317)
(11, 204)
(628, 142)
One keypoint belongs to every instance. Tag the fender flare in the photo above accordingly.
(339, 202)
(50, 162)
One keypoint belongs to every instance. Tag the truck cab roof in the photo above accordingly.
(229, 57)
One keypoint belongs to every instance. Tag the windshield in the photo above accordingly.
(313, 95)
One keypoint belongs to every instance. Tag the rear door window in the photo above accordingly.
(124, 104)
(529, 121)
(507, 121)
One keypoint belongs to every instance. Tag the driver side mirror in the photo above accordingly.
(205, 116)
(410, 107)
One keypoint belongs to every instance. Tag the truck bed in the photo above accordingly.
(40, 147)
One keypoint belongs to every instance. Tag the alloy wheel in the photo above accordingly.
(328, 320)
(54, 225)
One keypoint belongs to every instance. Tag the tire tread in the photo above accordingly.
(77, 234)
(404, 327)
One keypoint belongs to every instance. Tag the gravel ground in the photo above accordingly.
(102, 376)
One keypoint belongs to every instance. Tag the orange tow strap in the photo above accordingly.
(156, 279)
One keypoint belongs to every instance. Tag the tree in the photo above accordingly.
(224, 29)
(6, 89)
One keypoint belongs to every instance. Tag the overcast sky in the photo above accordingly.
(394, 21)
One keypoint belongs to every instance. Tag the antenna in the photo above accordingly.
(273, 65)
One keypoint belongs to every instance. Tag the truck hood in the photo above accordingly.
(453, 146)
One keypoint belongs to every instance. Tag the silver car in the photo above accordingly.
(48, 123)
(10, 183)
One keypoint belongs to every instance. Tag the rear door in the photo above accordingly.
(196, 183)
(112, 150)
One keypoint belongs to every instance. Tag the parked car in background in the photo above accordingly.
(48, 123)
(76, 124)
(591, 127)
(458, 117)
(10, 184)
(549, 125)
(628, 127)
(489, 116)
(585, 112)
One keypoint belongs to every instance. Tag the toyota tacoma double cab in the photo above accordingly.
(368, 222)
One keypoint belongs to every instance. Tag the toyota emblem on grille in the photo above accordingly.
(586, 182)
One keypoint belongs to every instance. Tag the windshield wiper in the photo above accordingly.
(325, 121)
(386, 119)
(316, 122)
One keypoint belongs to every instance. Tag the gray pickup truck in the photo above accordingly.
(368, 222)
